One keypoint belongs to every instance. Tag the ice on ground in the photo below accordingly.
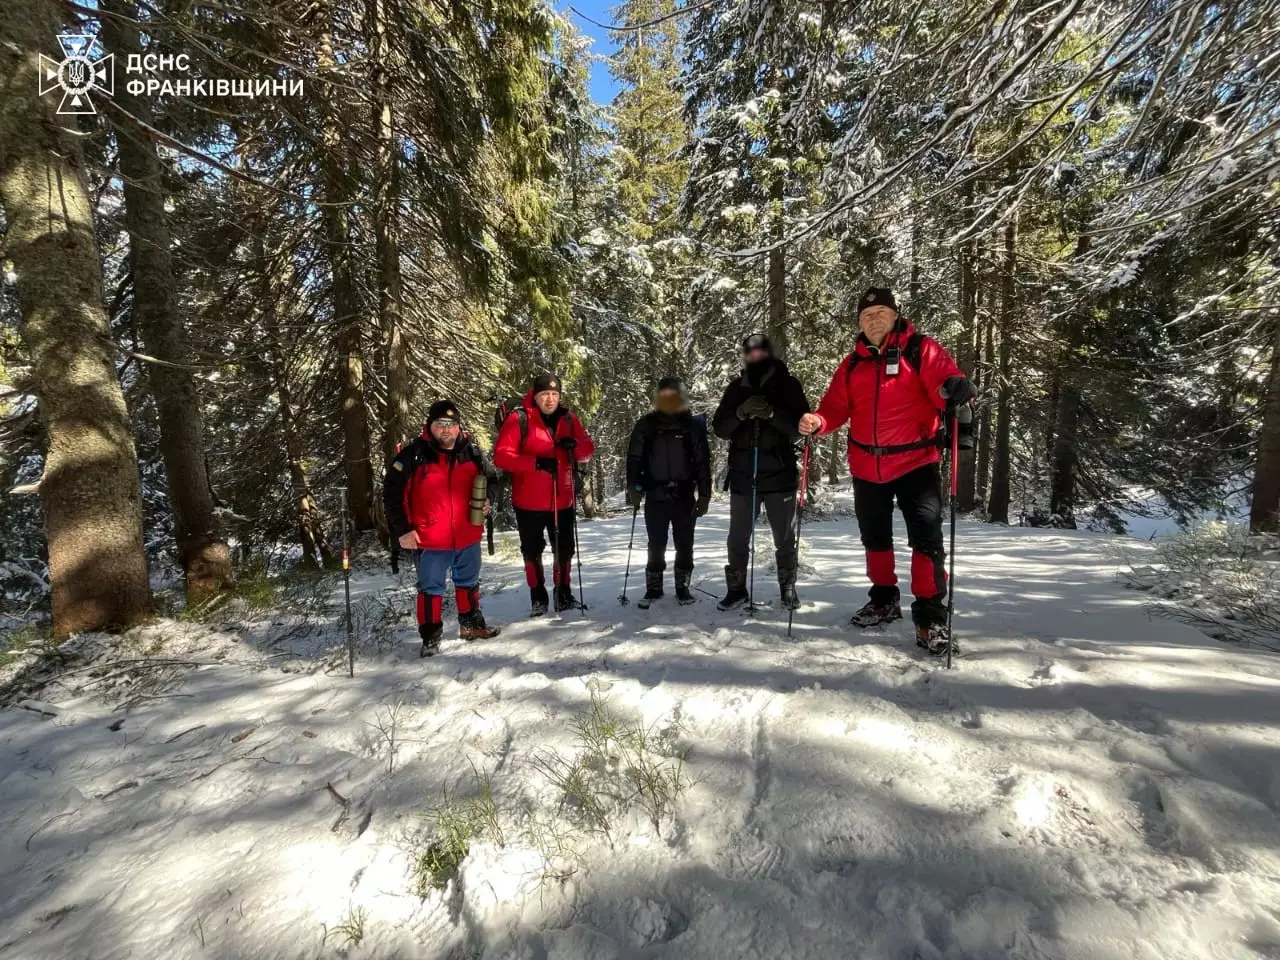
(1088, 783)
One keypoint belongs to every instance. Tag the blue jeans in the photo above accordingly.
(433, 565)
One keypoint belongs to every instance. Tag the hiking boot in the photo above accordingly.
(787, 590)
(565, 599)
(538, 601)
(683, 595)
(471, 626)
(873, 614)
(736, 581)
(935, 638)
(430, 633)
(652, 588)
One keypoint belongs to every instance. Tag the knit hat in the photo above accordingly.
(443, 410)
(757, 341)
(877, 297)
(547, 381)
(671, 383)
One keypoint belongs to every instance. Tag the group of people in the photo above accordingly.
(895, 390)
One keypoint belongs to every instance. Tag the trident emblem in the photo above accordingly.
(78, 73)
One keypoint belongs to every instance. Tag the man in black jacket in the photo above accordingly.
(669, 460)
(760, 415)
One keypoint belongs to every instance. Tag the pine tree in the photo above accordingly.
(89, 489)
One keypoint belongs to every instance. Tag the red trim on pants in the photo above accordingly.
(430, 608)
(928, 578)
(467, 598)
(534, 575)
(561, 574)
(880, 568)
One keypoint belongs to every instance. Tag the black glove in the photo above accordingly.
(757, 407)
(568, 444)
(702, 506)
(635, 497)
(964, 424)
(546, 464)
(958, 391)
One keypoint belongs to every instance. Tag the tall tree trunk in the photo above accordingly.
(202, 549)
(1062, 480)
(1051, 414)
(998, 509)
(1062, 488)
(967, 355)
(1264, 514)
(310, 527)
(777, 328)
(386, 198)
(357, 451)
(984, 414)
(90, 490)
(833, 464)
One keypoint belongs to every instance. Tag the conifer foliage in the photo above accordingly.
(1079, 198)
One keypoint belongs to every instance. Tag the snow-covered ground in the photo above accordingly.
(1087, 783)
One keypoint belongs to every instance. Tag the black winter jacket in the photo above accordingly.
(669, 456)
(778, 472)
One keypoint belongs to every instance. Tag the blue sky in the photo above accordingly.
(602, 86)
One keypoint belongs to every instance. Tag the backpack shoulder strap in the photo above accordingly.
(853, 362)
(522, 415)
(911, 351)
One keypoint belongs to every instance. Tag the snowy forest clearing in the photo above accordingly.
(1089, 782)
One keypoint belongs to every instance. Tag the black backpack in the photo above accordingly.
(505, 407)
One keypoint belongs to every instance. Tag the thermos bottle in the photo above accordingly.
(479, 490)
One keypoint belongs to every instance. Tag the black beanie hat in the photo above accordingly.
(757, 341)
(671, 383)
(443, 410)
(877, 297)
(547, 381)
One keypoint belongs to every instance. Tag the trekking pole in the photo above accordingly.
(755, 478)
(555, 527)
(804, 486)
(577, 550)
(346, 583)
(622, 597)
(955, 486)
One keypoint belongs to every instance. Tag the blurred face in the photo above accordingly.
(445, 432)
(670, 401)
(876, 322)
(547, 400)
(756, 355)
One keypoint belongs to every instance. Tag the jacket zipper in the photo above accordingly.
(453, 532)
(555, 455)
(875, 417)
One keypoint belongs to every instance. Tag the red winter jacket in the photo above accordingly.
(886, 411)
(429, 490)
(531, 487)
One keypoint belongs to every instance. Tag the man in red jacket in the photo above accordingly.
(539, 445)
(892, 391)
(427, 494)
